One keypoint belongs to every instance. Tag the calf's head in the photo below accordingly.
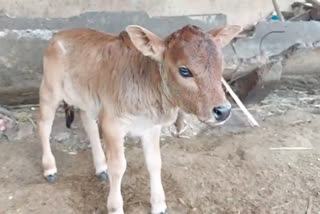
(191, 67)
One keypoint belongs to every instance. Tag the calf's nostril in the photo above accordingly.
(217, 111)
(221, 113)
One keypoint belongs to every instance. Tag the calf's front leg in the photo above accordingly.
(99, 159)
(151, 148)
(113, 135)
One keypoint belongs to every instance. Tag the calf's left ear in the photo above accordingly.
(225, 34)
(146, 42)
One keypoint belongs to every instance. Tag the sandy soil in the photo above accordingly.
(226, 170)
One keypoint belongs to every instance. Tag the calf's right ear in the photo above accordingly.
(225, 34)
(146, 42)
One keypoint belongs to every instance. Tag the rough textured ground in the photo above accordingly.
(226, 170)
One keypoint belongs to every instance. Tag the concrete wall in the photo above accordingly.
(238, 11)
(27, 25)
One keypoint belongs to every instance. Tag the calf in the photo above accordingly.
(133, 83)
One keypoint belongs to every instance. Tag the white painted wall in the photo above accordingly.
(238, 11)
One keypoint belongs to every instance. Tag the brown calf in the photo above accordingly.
(133, 83)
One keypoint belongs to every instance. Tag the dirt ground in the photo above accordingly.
(226, 170)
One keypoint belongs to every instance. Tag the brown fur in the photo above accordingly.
(103, 77)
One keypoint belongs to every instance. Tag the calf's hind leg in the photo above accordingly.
(49, 98)
(49, 102)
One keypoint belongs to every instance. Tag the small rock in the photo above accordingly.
(3, 124)
(19, 131)
(6, 123)
(182, 201)
(62, 136)
(11, 134)
(25, 130)
(72, 153)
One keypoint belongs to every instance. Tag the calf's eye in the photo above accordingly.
(185, 72)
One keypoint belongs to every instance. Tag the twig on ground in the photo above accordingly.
(298, 122)
(182, 201)
(32, 122)
(256, 107)
(289, 148)
(280, 206)
(251, 119)
(133, 202)
(22, 106)
(309, 209)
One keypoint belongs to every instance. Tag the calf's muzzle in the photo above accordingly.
(221, 113)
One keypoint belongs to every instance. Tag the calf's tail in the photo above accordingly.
(69, 112)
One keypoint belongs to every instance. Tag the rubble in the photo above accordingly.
(257, 59)
(7, 121)
(271, 48)
(300, 11)
(62, 136)
(16, 126)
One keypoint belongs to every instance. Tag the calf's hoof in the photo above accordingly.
(164, 212)
(103, 176)
(51, 178)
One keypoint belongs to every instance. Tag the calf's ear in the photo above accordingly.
(146, 42)
(225, 34)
